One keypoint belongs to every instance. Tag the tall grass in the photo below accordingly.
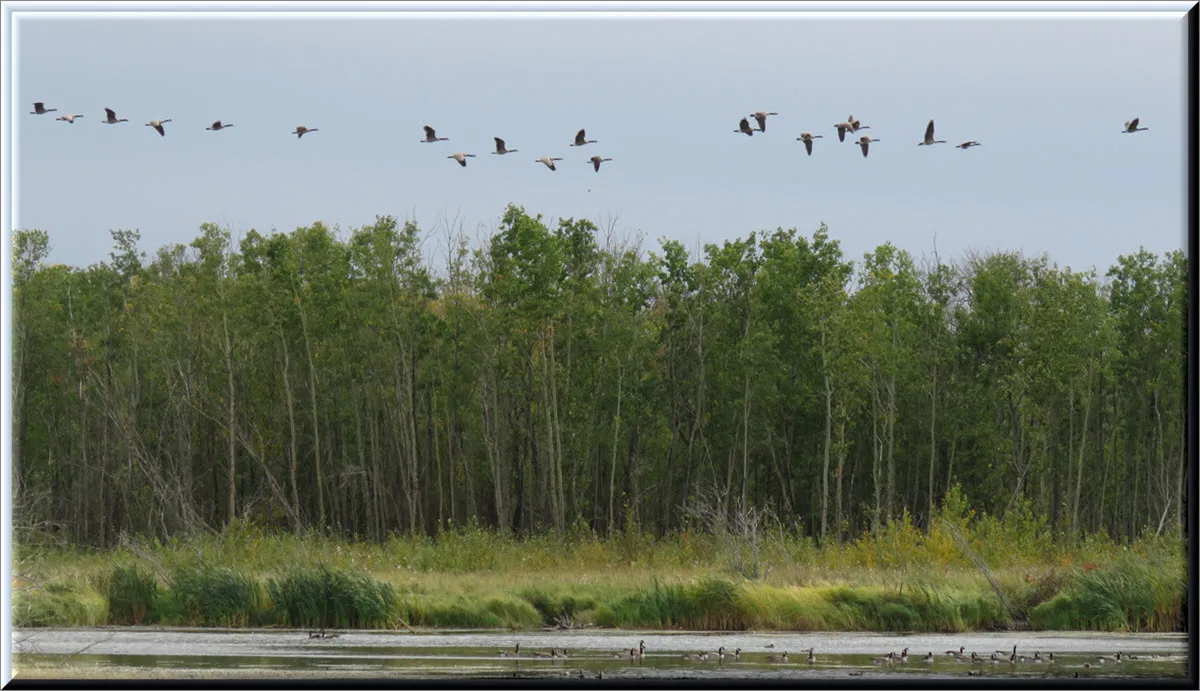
(903, 578)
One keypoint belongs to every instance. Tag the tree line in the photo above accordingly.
(558, 377)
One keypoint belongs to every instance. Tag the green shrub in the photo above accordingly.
(132, 593)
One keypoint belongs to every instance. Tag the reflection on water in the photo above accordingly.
(591, 653)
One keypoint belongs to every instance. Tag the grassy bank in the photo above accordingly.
(900, 580)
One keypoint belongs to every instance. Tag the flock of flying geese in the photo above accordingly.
(850, 124)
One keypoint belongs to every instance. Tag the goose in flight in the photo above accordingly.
(1130, 127)
(929, 140)
(865, 142)
(596, 161)
(744, 128)
(967, 145)
(580, 141)
(431, 136)
(461, 158)
(40, 108)
(301, 130)
(761, 116)
(856, 125)
(548, 161)
(843, 128)
(112, 117)
(500, 147)
(218, 126)
(807, 138)
(158, 126)
(68, 118)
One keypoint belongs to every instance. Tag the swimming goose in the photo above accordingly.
(929, 140)
(1132, 126)
(218, 126)
(904, 656)
(580, 141)
(158, 125)
(865, 142)
(698, 657)
(301, 130)
(515, 652)
(431, 136)
(461, 158)
(542, 653)
(40, 108)
(807, 138)
(68, 118)
(843, 128)
(883, 660)
(769, 645)
(500, 147)
(562, 653)
(641, 649)
(548, 161)
(856, 674)
(966, 145)
(761, 116)
(596, 161)
(737, 654)
(1110, 658)
(962, 650)
(812, 658)
(744, 128)
(778, 658)
(928, 658)
(721, 653)
(975, 673)
(112, 117)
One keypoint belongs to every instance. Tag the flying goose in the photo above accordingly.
(856, 125)
(1130, 127)
(548, 161)
(744, 127)
(218, 126)
(807, 138)
(158, 125)
(112, 117)
(461, 158)
(865, 142)
(761, 116)
(596, 161)
(778, 658)
(929, 140)
(40, 108)
(431, 136)
(843, 128)
(580, 141)
(301, 130)
(500, 147)
(68, 118)
(966, 145)
(515, 652)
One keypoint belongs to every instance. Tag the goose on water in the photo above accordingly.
(548, 161)
(431, 136)
(883, 660)
(40, 108)
(500, 147)
(218, 126)
(596, 161)
(698, 657)
(515, 652)
(111, 118)
(928, 658)
(761, 117)
(778, 658)
(580, 141)
(865, 142)
(461, 158)
(68, 118)
(158, 126)
(962, 649)
(1132, 126)
(812, 657)
(301, 130)
(745, 128)
(807, 138)
(966, 145)
(929, 140)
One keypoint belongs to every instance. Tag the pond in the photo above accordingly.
(120, 652)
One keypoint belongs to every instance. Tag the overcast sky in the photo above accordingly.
(1047, 97)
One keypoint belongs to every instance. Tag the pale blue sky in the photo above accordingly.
(1047, 97)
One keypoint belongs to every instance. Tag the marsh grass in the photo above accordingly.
(903, 579)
